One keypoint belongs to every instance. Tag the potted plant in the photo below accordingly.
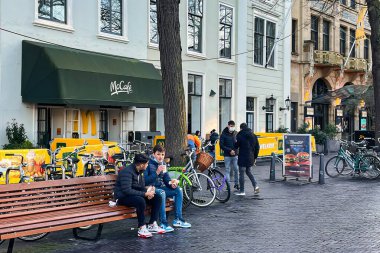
(331, 133)
(320, 139)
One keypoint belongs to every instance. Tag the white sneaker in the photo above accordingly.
(257, 189)
(143, 232)
(240, 193)
(155, 229)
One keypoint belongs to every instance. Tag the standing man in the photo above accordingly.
(249, 148)
(227, 144)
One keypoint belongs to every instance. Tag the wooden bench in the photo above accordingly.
(48, 206)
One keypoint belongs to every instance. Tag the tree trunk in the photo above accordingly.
(374, 20)
(172, 84)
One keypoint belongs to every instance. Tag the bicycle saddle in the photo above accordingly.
(118, 156)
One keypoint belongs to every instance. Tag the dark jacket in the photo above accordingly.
(248, 146)
(213, 138)
(227, 142)
(129, 182)
(151, 177)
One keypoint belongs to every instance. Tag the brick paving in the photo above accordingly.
(342, 215)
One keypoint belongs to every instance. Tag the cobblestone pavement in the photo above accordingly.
(342, 215)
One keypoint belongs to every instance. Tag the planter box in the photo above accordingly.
(333, 145)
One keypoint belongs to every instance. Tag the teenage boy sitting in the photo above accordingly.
(156, 175)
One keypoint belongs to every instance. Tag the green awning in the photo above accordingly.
(59, 75)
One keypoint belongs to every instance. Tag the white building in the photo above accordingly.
(38, 80)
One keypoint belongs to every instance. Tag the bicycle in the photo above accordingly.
(352, 160)
(122, 159)
(222, 185)
(198, 188)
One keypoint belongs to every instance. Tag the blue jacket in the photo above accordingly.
(129, 182)
(151, 177)
(227, 142)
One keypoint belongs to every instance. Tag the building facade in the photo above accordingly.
(325, 71)
(62, 71)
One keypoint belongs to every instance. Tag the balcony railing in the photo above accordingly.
(327, 58)
(356, 64)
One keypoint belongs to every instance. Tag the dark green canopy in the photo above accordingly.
(58, 75)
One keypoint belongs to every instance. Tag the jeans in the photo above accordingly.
(249, 174)
(139, 203)
(166, 192)
(228, 162)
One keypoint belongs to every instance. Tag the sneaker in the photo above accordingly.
(257, 189)
(181, 224)
(143, 232)
(167, 228)
(236, 187)
(240, 193)
(155, 229)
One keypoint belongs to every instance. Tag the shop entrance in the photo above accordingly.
(43, 127)
(321, 111)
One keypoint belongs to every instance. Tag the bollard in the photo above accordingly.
(272, 173)
(321, 169)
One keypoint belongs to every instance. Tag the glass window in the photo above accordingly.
(225, 31)
(270, 37)
(353, 4)
(269, 122)
(103, 125)
(258, 53)
(314, 31)
(294, 33)
(153, 22)
(225, 94)
(352, 42)
(194, 103)
(52, 10)
(194, 28)
(343, 35)
(326, 35)
(366, 48)
(250, 114)
(111, 17)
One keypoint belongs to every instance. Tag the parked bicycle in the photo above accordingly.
(353, 160)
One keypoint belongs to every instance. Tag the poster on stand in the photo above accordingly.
(297, 156)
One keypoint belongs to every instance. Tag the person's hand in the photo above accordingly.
(254, 162)
(149, 194)
(232, 152)
(174, 183)
(160, 169)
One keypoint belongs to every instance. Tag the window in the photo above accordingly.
(353, 4)
(269, 117)
(294, 33)
(343, 2)
(72, 123)
(225, 31)
(267, 30)
(352, 42)
(326, 35)
(314, 31)
(225, 94)
(366, 48)
(52, 10)
(153, 22)
(103, 125)
(194, 103)
(259, 41)
(111, 17)
(250, 114)
(343, 35)
(271, 35)
(194, 27)
(43, 127)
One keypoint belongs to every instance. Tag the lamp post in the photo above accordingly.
(287, 105)
(270, 104)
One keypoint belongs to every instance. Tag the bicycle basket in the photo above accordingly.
(353, 148)
(204, 161)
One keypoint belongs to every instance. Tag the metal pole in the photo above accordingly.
(272, 173)
(321, 169)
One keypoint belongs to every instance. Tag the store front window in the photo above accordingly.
(321, 111)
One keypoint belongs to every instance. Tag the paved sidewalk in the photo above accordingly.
(294, 216)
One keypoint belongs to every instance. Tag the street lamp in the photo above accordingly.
(287, 105)
(270, 103)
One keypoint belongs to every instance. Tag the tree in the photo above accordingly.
(374, 20)
(172, 82)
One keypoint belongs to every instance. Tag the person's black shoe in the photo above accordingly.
(236, 187)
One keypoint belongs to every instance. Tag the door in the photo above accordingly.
(114, 126)
(43, 127)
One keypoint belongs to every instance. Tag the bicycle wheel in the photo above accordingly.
(223, 189)
(336, 166)
(369, 166)
(204, 190)
(187, 194)
(35, 237)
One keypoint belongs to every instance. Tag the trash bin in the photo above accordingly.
(146, 136)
